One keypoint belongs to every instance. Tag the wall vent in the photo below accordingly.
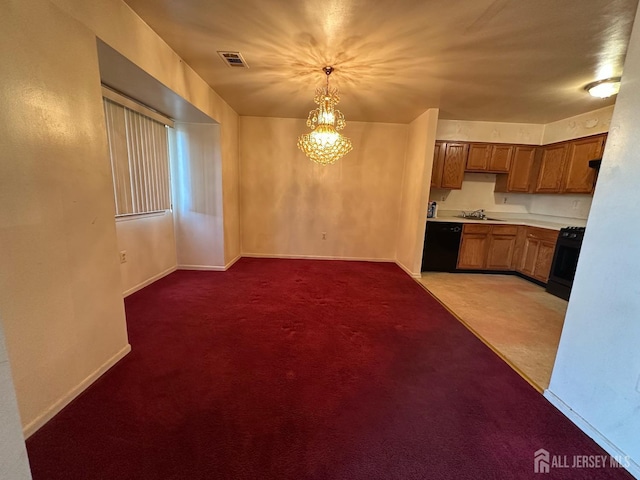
(233, 59)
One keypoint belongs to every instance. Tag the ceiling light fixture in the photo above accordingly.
(604, 88)
(324, 144)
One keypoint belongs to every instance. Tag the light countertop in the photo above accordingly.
(526, 219)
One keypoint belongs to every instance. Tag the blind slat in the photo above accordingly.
(138, 148)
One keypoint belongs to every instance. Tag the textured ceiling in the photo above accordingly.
(493, 60)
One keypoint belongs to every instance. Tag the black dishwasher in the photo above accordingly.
(441, 244)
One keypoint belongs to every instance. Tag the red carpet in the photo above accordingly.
(293, 369)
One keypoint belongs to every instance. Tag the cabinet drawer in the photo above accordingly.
(543, 234)
(475, 228)
(504, 230)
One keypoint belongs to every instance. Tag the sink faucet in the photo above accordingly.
(479, 214)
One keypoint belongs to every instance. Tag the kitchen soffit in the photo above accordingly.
(492, 60)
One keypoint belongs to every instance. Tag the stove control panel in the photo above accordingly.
(572, 233)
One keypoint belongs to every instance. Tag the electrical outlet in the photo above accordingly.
(504, 199)
(442, 198)
(123, 256)
(324, 235)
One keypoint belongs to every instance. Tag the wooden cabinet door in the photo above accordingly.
(519, 178)
(537, 253)
(455, 158)
(500, 159)
(502, 245)
(554, 159)
(521, 234)
(529, 256)
(436, 171)
(579, 177)
(473, 251)
(473, 246)
(544, 258)
(479, 155)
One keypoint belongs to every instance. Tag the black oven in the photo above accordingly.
(565, 261)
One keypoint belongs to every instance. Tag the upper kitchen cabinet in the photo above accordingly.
(564, 167)
(500, 159)
(552, 166)
(478, 159)
(438, 162)
(579, 177)
(557, 168)
(521, 171)
(448, 165)
(487, 157)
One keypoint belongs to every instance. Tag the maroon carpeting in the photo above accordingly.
(295, 369)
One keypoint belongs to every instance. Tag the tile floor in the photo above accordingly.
(515, 317)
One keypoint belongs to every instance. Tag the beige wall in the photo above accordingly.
(119, 27)
(590, 123)
(60, 275)
(150, 247)
(288, 201)
(498, 132)
(478, 192)
(229, 144)
(415, 191)
(595, 379)
(584, 125)
(60, 285)
(196, 171)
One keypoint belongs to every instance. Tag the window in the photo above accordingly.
(139, 154)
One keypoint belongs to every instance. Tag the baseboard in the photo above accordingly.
(149, 281)
(317, 257)
(207, 268)
(35, 425)
(591, 431)
(230, 264)
(407, 271)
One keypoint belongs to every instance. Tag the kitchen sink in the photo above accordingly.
(490, 219)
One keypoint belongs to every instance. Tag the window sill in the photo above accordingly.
(139, 216)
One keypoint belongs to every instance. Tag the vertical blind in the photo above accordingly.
(139, 160)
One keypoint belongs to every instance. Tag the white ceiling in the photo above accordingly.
(494, 60)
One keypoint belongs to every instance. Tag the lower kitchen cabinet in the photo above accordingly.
(491, 247)
(537, 253)
(502, 247)
(487, 247)
(473, 247)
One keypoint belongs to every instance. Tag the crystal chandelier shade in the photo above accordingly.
(324, 144)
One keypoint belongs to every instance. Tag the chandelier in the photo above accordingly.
(324, 144)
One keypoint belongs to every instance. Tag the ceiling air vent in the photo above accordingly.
(233, 59)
